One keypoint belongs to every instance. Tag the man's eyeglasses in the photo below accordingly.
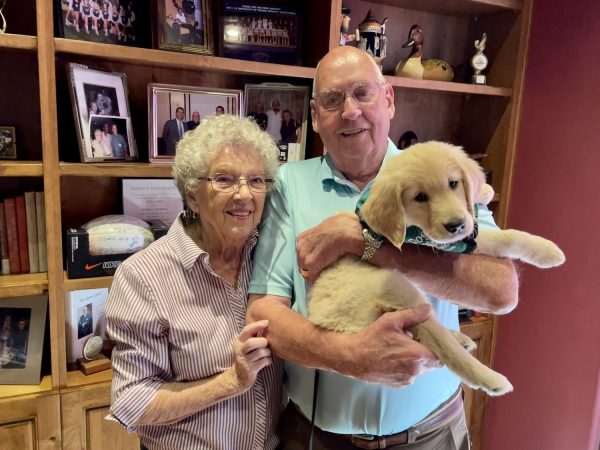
(226, 182)
(364, 92)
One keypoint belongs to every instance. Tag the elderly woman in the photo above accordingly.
(187, 372)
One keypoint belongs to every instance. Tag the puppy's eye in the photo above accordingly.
(421, 197)
(453, 184)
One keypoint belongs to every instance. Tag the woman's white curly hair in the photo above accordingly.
(198, 147)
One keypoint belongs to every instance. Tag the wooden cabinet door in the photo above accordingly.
(480, 330)
(30, 423)
(84, 426)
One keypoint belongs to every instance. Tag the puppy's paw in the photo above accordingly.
(545, 255)
(495, 384)
(465, 341)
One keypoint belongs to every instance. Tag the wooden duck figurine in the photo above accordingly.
(413, 67)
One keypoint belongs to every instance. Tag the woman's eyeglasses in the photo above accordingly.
(364, 92)
(226, 182)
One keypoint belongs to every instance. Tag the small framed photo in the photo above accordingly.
(280, 109)
(8, 143)
(22, 327)
(185, 26)
(174, 109)
(264, 30)
(122, 22)
(102, 114)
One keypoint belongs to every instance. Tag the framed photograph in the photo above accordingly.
(185, 26)
(122, 22)
(102, 114)
(264, 30)
(22, 327)
(173, 110)
(282, 111)
(8, 143)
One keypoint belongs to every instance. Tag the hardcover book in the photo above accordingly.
(12, 237)
(84, 316)
(3, 243)
(40, 212)
(22, 233)
(32, 239)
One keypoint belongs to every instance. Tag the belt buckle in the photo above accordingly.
(364, 437)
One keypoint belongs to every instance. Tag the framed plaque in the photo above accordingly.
(265, 31)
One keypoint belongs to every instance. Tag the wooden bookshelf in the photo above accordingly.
(87, 283)
(19, 285)
(458, 7)
(18, 42)
(21, 168)
(129, 170)
(18, 390)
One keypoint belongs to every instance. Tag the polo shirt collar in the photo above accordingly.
(329, 174)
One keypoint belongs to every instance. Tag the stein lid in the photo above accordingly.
(369, 24)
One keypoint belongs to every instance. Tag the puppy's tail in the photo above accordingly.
(473, 373)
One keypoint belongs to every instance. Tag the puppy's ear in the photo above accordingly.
(473, 178)
(384, 212)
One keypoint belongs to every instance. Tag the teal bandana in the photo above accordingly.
(414, 235)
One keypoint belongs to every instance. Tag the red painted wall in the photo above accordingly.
(549, 347)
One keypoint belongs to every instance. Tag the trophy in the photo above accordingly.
(2, 18)
(479, 61)
(372, 38)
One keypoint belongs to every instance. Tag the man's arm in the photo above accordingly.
(381, 353)
(479, 282)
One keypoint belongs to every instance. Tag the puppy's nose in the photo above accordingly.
(455, 227)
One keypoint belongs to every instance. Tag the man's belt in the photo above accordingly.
(437, 419)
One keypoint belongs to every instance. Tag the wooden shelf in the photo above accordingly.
(21, 169)
(18, 41)
(458, 7)
(445, 86)
(124, 169)
(87, 283)
(77, 378)
(175, 60)
(23, 284)
(16, 390)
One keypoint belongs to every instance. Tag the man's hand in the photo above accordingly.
(324, 244)
(384, 352)
(251, 353)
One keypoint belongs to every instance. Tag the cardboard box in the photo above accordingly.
(80, 264)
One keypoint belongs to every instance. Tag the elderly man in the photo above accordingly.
(192, 124)
(377, 388)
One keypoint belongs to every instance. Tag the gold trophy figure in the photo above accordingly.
(2, 18)
(479, 61)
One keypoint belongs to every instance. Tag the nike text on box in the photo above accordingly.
(81, 264)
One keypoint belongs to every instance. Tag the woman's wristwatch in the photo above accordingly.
(372, 242)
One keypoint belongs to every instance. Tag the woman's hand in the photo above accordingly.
(252, 353)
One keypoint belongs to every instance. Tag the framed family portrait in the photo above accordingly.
(185, 25)
(263, 30)
(281, 110)
(8, 143)
(102, 114)
(22, 328)
(124, 22)
(174, 110)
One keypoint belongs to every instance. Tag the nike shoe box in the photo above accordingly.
(80, 263)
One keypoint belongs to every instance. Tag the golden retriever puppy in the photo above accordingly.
(432, 187)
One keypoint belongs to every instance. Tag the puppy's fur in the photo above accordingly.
(433, 186)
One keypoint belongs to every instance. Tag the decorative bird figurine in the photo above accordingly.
(413, 67)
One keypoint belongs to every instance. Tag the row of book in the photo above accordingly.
(23, 234)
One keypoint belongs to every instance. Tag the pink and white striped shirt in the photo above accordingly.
(174, 320)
